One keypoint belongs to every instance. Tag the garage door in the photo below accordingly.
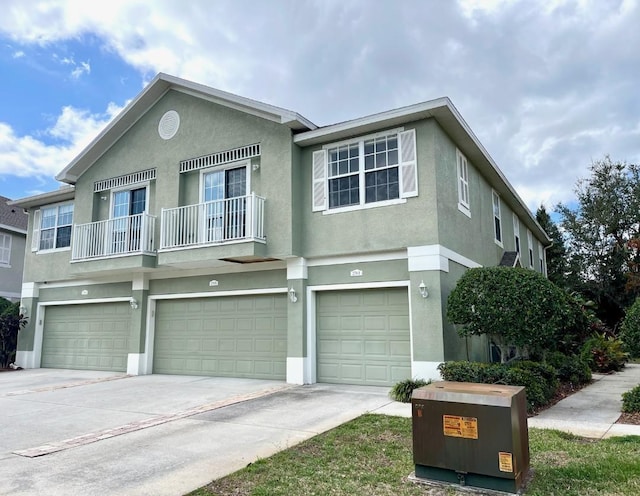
(92, 336)
(363, 336)
(231, 336)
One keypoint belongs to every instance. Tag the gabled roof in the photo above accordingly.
(12, 218)
(155, 90)
(443, 111)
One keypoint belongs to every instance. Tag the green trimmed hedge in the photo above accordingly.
(631, 400)
(539, 379)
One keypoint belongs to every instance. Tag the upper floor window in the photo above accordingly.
(463, 184)
(52, 227)
(497, 220)
(516, 232)
(371, 170)
(5, 250)
(530, 246)
(541, 258)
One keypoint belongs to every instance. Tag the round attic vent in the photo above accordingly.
(169, 124)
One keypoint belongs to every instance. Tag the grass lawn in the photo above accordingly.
(372, 455)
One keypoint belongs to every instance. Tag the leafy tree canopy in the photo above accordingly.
(513, 306)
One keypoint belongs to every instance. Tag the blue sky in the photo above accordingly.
(548, 86)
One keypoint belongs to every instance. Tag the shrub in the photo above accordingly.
(631, 400)
(403, 389)
(463, 371)
(604, 353)
(630, 330)
(569, 368)
(539, 379)
(488, 300)
(10, 324)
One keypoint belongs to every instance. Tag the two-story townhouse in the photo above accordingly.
(210, 234)
(13, 235)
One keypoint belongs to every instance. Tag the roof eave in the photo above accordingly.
(59, 195)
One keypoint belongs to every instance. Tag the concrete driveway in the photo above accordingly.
(67, 432)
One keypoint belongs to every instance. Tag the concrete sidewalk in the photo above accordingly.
(593, 411)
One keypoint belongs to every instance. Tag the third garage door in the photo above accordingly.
(363, 336)
(230, 336)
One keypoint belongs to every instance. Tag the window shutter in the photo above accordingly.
(408, 164)
(35, 239)
(319, 180)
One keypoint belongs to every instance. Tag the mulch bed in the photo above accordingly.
(629, 418)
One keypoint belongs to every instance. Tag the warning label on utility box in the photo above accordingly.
(455, 426)
(505, 461)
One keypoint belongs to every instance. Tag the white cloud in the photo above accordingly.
(83, 68)
(18, 54)
(73, 130)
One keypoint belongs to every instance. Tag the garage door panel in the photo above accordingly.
(244, 336)
(90, 336)
(363, 336)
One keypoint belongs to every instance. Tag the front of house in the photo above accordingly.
(13, 233)
(209, 234)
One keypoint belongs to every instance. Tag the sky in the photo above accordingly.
(547, 86)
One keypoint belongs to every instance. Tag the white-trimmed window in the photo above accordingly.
(463, 184)
(372, 170)
(543, 270)
(530, 247)
(497, 219)
(516, 233)
(5, 250)
(52, 227)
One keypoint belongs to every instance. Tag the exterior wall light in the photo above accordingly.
(423, 290)
(292, 295)
(133, 303)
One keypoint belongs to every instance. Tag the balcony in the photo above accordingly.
(206, 224)
(118, 237)
(224, 229)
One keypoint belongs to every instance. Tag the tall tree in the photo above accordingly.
(599, 231)
(557, 270)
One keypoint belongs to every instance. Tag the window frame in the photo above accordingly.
(543, 265)
(360, 140)
(462, 178)
(129, 187)
(5, 249)
(55, 228)
(223, 167)
(530, 248)
(497, 218)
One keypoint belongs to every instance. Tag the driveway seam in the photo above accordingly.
(93, 437)
(65, 386)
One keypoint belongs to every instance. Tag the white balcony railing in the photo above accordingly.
(211, 223)
(131, 235)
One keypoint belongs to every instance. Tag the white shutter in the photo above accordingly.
(319, 180)
(35, 235)
(408, 164)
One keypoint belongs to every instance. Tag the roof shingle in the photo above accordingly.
(11, 215)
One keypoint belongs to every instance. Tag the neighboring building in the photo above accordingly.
(13, 234)
(210, 234)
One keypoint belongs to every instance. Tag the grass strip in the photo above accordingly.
(372, 455)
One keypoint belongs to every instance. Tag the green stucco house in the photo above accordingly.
(205, 233)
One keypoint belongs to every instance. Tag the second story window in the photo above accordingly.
(372, 170)
(5, 250)
(497, 226)
(52, 227)
(463, 184)
(530, 247)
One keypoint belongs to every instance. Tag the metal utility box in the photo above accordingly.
(471, 434)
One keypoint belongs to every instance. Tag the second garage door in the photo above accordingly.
(363, 336)
(231, 336)
(92, 336)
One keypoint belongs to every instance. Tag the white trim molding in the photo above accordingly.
(297, 268)
(353, 259)
(435, 257)
(426, 370)
(296, 367)
(136, 363)
(26, 359)
(30, 290)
